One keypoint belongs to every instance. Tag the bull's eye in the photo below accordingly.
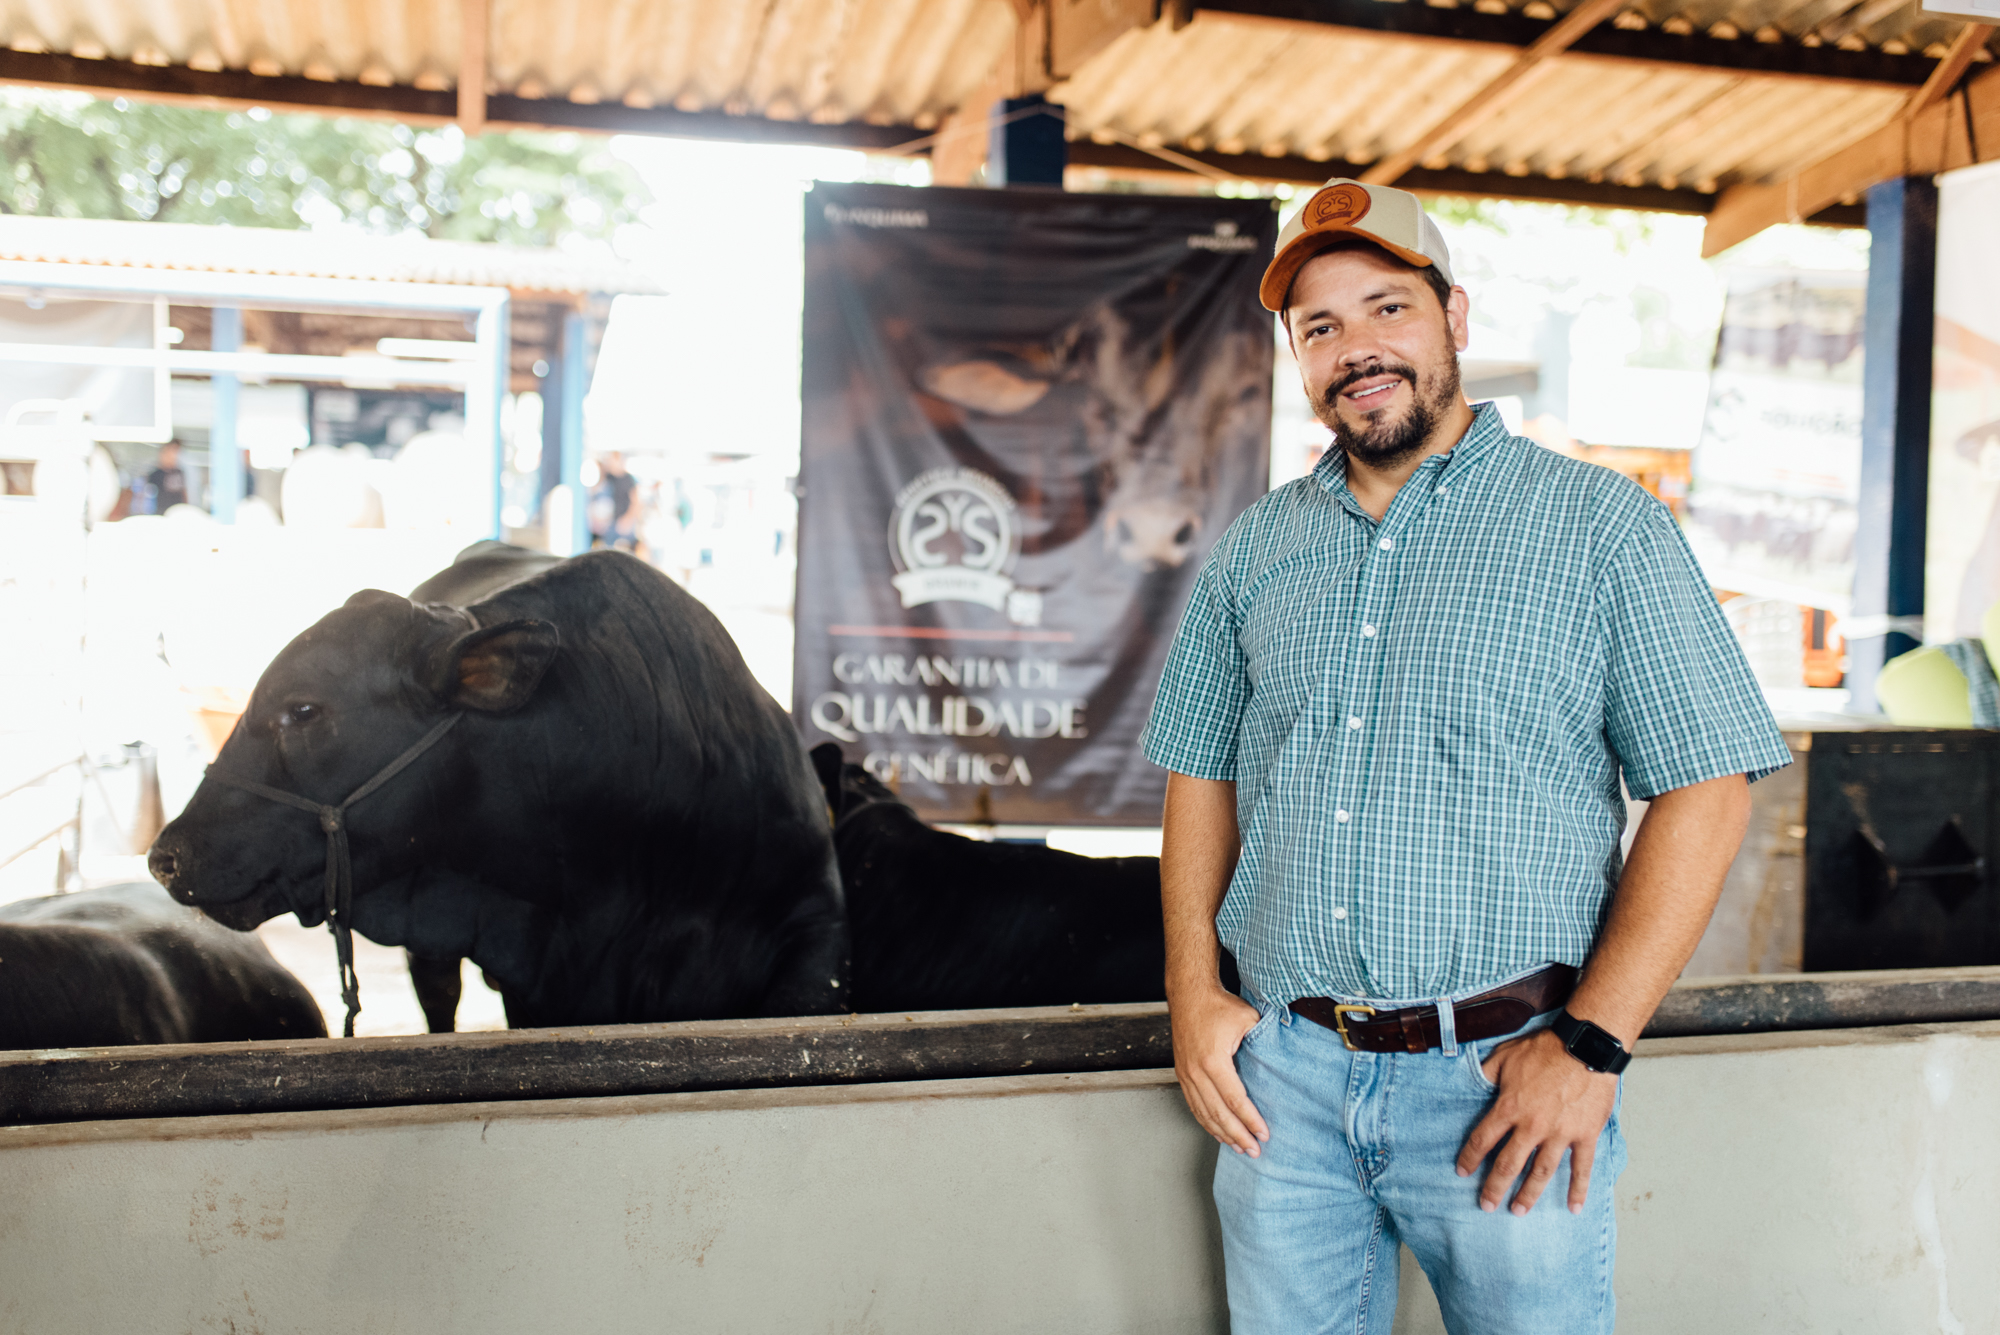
(298, 715)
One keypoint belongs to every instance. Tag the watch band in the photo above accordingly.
(1596, 1048)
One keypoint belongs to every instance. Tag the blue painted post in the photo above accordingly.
(552, 406)
(225, 456)
(572, 387)
(1886, 617)
(1029, 149)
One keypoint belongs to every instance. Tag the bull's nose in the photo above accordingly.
(163, 861)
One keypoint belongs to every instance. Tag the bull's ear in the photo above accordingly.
(496, 669)
(826, 759)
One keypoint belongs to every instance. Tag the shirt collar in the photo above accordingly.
(1486, 431)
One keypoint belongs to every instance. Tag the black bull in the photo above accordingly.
(623, 827)
(943, 922)
(125, 964)
(622, 835)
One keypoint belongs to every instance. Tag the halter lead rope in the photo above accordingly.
(339, 869)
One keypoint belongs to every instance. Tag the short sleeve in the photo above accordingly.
(1681, 706)
(1199, 709)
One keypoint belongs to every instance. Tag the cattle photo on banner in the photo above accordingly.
(1027, 418)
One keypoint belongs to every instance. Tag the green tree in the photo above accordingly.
(68, 155)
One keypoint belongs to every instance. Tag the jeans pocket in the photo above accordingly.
(1266, 1022)
(1474, 1056)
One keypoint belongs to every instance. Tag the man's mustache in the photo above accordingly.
(1355, 377)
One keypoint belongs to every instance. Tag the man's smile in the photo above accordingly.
(1368, 393)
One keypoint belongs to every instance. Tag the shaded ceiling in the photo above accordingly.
(1648, 103)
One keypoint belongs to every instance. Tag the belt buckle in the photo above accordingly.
(1340, 1013)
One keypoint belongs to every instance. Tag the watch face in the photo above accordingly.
(1595, 1048)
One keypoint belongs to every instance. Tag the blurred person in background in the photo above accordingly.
(167, 484)
(613, 518)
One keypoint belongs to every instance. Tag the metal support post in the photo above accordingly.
(485, 393)
(572, 384)
(1027, 145)
(1887, 615)
(225, 457)
(552, 433)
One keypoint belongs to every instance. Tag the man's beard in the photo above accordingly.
(1385, 442)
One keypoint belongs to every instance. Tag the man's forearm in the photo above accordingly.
(1198, 850)
(1672, 880)
(1549, 1106)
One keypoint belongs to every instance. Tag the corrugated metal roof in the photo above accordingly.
(1258, 87)
(1636, 125)
(318, 254)
(1225, 82)
(885, 61)
(1255, 86)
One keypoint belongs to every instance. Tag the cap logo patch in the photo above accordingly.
(1337, 206)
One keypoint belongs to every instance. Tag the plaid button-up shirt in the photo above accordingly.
(1426, 717)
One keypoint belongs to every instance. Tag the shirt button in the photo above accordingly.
(1386, 544)
(1367, 632)
(1443, 490)
(1340, 816)
(1353, 723)
(1340, 915)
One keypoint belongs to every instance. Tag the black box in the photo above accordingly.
(1899, 851)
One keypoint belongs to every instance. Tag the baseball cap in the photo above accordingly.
(1393, 219)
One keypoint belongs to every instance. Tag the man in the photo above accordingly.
(1396, 715)
(620, 526)
(168, 480)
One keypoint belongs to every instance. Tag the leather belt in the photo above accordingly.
(1415, 1028)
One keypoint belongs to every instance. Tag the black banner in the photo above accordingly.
(1028, 416)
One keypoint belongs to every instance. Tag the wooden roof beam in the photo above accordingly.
(960, 146)
(1510, 83)
(1132, 161)
(1934, 133)
(1971, 38)
(1052, 40)
(474, 26)
(1648, 45)
(422, 106)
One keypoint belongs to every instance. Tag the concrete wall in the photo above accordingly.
(1806, 1182)
(1759, 923)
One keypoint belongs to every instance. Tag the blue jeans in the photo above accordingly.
(1362, 1156)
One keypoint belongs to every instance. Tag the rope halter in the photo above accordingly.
(339, 867)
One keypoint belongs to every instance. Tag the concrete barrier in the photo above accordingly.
(1807, 1181)
(702, 1056)
(1032, 1204)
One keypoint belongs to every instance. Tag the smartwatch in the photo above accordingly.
(1592, 1046)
